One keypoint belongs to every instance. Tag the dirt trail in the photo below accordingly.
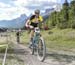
(21, 56)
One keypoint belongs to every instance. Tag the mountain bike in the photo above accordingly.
(38, 45)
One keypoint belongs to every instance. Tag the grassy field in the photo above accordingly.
(55, 39)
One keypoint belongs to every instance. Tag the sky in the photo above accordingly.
(11, 9)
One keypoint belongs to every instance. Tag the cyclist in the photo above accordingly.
(33, 22)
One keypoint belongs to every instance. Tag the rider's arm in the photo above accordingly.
(29, 20)
(27, 23)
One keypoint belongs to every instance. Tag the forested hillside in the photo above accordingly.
(64, 18)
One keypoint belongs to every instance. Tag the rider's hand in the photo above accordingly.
(31, 27)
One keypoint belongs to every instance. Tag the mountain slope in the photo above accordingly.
(15, 23)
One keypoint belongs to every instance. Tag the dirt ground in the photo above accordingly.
(21, 56)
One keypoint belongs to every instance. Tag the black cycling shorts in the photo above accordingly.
(34, 24)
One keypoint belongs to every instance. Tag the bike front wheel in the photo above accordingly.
(31, 46)
(41, 51)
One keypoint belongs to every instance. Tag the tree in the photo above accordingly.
(72, 14)
(63, 16)
(52, 20)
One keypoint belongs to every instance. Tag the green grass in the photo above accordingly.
(3, 48)
(57, 39)
(25, 38)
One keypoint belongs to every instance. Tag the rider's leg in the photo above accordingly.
(31, 38)
(31, 34)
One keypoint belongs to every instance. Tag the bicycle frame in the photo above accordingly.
(35, 45)
(36, 36)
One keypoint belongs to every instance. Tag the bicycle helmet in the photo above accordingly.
(37, 11)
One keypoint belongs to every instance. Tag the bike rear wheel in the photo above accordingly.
(41, 51)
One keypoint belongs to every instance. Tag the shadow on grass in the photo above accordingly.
(17, 54)
(61, 57)
(14, 54)
(12, 57)
(15, 51)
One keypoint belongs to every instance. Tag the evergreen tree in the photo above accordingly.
(72, 14)
(63, 20)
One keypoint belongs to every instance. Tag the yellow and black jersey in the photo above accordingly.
(34, 21)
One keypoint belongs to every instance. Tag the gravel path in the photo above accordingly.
(21, 56)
